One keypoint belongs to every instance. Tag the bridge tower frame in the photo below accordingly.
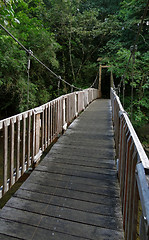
(100, 75)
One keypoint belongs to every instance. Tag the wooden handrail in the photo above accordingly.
(25, 136)
(133, 166)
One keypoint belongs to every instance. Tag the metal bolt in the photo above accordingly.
(145, 219)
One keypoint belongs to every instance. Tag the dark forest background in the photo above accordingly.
(69, 36)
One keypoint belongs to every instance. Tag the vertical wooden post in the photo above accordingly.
(5, 164)
(63, 112)
(37, 131)
(99, 85)
(56, 108)
(112, 83)
(57, 118)
(45, 127)
(37, 125)
(29, 140)
(126, 213)
(66, 109)
(134, 211)
(23, 145)
(11, 151)
(49, 122)
(18, 149)
(126, 188)
(42, 131)
(132, 196)
(33, 137)
(54, 123)
(51, 117)
(76, 104)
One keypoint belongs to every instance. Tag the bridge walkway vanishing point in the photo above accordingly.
(74, 192)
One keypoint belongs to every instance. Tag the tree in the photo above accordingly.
(69, 36)
(13, 76)
(129, 17)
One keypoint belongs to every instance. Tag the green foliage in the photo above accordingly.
(13, 76)
(69, 36)
(116, 52)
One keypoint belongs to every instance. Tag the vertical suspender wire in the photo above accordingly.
(119, 90)
(123, 80)
(58, 87)
(134, 48)
(71, 89)
(28, 76)
(95, 81)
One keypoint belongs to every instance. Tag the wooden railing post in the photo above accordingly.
(127, 178)
(144, 196)
(64, 113)
(5, 157)
(76, 104)
(23, 146)
(45, 127)
(33, 136)
(18, 148)
(29, 140)
(49, 123)
(51, 114)
(37, 133)
(28, 134)
(11, 151)
(132, 177)
(99, 84)
(42, 130)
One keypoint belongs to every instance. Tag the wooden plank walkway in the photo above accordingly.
(73, 194)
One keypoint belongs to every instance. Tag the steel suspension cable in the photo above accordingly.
(94, 81)
(32, 55)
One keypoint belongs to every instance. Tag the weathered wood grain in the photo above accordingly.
(73, 194)
(5, 157)
(11, 151)
(130, 154)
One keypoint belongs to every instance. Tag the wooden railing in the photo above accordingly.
(24, 137)
(133, 166)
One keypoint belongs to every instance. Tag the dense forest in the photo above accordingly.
(69, 36)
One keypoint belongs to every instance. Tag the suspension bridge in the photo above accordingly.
(92, 184)
(74, 192)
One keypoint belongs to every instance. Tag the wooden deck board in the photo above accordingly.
(69, 202)
(62, 212)
(47, 176)
(100, 190)
(73, 194)
(106, 163)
